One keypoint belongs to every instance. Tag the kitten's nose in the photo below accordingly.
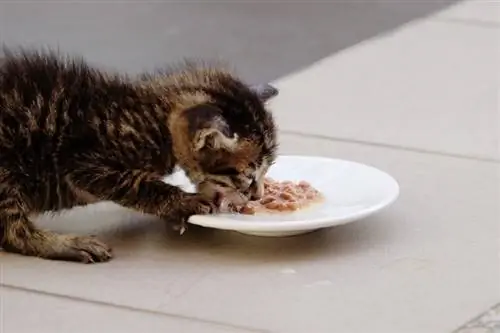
(255, 196)
(255, 191)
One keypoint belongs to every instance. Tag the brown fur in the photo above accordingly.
(72, 135)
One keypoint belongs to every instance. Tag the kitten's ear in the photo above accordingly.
(265, 91)
(208, 129)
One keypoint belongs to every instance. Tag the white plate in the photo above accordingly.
(351, 191)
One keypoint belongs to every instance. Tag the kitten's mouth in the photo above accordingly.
(218, 198)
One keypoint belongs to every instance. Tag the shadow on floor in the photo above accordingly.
(263, 40)
(133, 235)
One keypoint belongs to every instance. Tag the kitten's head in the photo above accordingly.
(229, 139)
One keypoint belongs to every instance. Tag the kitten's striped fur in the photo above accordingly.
(71, 134)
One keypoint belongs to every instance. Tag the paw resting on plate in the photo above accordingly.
(230, 202)
(192, 204)
(197, 204)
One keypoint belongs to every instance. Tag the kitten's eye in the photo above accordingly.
(226, 171)
(252, 165)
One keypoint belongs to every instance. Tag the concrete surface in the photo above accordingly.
(420, 102)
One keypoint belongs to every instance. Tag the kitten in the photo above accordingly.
(72, 135)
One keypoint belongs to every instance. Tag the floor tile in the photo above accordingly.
(476, 11)
(28, 312)
(430, 86)
(433, 253)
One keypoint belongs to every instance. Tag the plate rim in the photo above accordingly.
(225, 223)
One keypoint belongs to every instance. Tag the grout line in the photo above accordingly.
(476, 318)
(468, 22)
(131, 308)
(390, 146)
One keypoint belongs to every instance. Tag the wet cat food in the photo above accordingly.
(285, 196)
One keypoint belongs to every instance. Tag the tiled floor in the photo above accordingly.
(420, 103)
(25, 311)
(427, 79)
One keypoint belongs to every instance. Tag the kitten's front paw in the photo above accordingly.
(200, 205)
(193, 204)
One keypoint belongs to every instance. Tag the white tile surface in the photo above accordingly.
(430, 85)
(26, 312)
(485, 11)
(427, 264)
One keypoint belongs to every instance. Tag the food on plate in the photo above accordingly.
(285, 196)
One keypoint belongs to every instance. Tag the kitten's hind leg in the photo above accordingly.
(19, 235)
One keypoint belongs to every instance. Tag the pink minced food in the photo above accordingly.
(282, 197)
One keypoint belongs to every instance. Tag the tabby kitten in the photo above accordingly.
(72, 135)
